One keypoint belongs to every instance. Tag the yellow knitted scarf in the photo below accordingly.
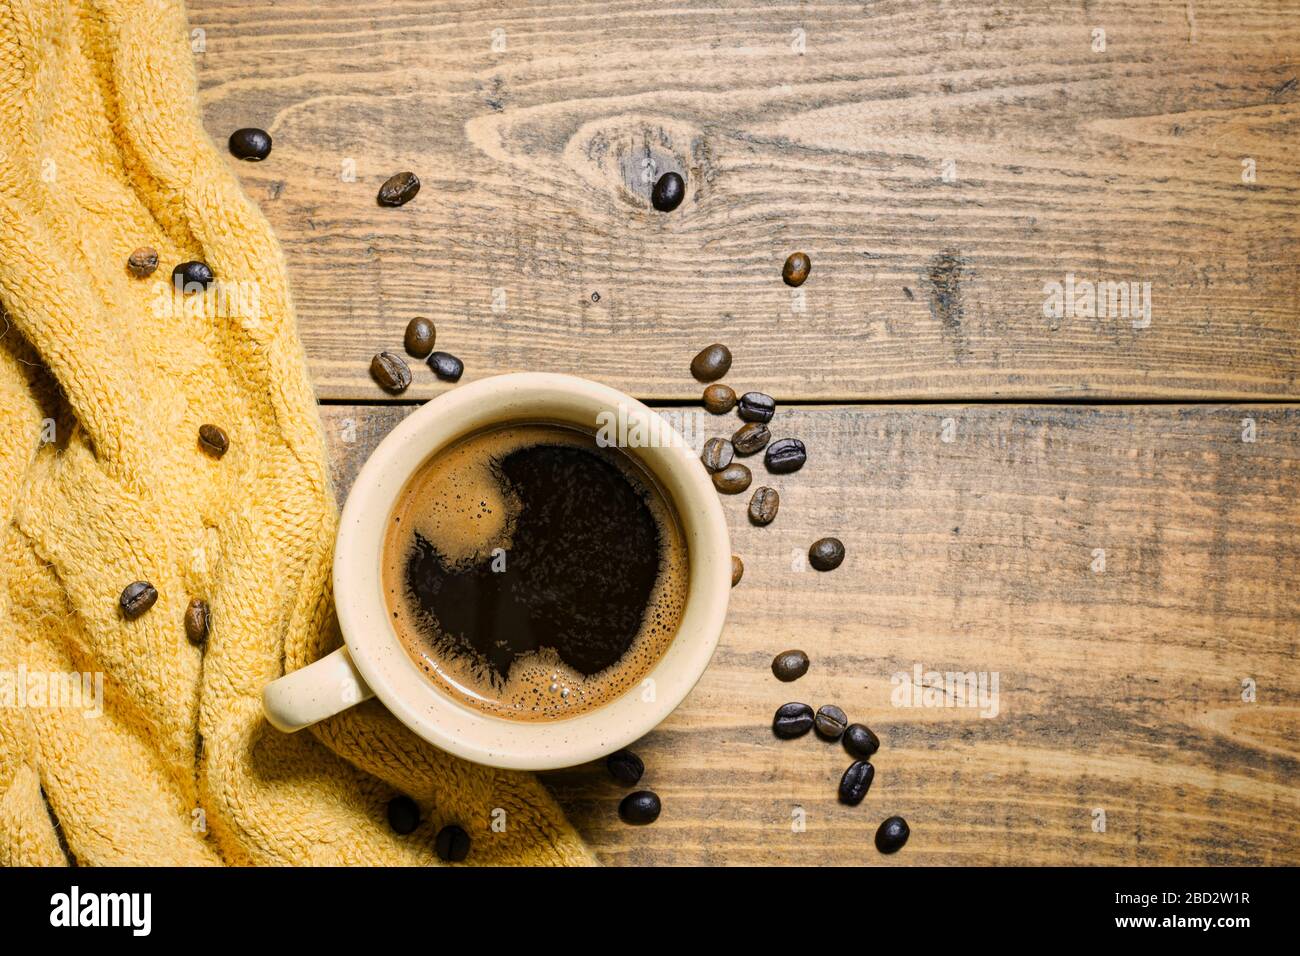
(104, 381)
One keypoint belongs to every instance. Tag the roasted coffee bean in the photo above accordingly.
(213, 440)
(719, 398)
(188, 275)
(452, 844)
(712, 363)
(640, 807)
(142, 263)
(860, 741)
(790, 665)
(250, 143)
(830, 722)
(391, 372)
(446, 366)
(197, 618)
(756, 407)
(399, 190)
(785, 455)
(668, 192)
(826, 554)
(891, 836)
(763, 506)
(625, 767)
(403, 815)
(856, 782)
(717, 454)
(737, 570)
(792, 720)
(420, 336)
(796, 269)
(733, 479)
(136, 598)
(750, 438)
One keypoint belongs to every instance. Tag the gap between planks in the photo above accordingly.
(1210, 402)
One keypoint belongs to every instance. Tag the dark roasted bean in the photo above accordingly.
(750, 438)
(790, 665)
(796, 269)
(668, 192)
(640, 807)
(403, 815)
(197, 618)
(250, 143)
(446, 366)
(756, 407)
(719, 398)
(136, 598)
(792, 720)
(737, 570)
(733, 479)
(860, 741)
(717, 454)
(420, 336)
(763, 505)
(391, 372)
(213, 440)
(891, 836)
(785, 455)
(830, 722)
(399, 190)
(452, 844)
(142, 262)
(625, 767)
(712, 363)
(192, 276)
(826, 554)
(856, 782)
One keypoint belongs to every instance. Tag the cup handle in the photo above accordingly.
(312, 693)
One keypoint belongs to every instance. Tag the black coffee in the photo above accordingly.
(533, 574)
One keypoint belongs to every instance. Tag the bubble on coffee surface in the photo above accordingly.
(538, 609)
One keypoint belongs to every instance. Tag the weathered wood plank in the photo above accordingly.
(825, 128)
(1120, 684)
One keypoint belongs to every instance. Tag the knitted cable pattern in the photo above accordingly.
(104, 381)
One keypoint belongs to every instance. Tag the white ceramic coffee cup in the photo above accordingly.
(373, 661)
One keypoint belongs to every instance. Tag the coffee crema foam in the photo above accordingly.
(455, 525)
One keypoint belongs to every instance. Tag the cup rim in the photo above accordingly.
(397, 681)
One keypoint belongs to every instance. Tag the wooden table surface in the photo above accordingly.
(1101, 510)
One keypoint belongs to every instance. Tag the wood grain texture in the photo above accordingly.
(537, 160)
(1120, 688)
